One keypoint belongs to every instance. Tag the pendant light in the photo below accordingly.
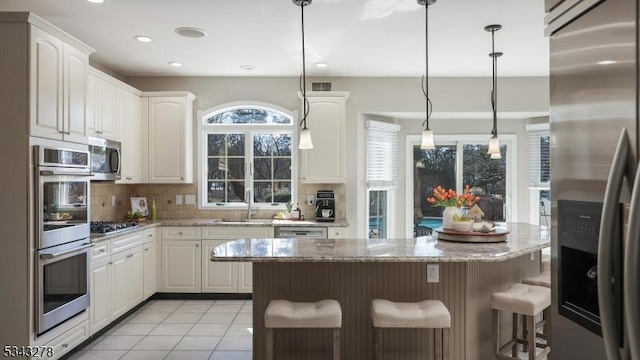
(305, 134)
(494, 144)
(427, 135)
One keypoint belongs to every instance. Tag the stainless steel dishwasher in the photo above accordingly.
(318, 232)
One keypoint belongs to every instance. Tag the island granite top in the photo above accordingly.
(522, 239)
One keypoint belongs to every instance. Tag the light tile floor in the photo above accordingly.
(178, 330)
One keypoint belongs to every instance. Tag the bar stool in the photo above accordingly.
(428, 314)
(542, 279)
(287, 314)
(525, 300)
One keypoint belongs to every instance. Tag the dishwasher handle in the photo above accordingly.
(318, 232)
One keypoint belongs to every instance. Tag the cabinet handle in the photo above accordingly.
(67, 132)
(110, 262)
(181, 178)
(180, 233)
(146, 249)
(61, 132)
(149, 235)
(99, 132)
(197, 245)
(65, 345)
(128, 178)
(102, 250)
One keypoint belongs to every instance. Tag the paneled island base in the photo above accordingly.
(464, 287)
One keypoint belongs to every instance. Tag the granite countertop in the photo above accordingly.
(218, 222)
(523, 239)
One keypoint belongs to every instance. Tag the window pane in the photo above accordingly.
(248, 116)
(235, 191)
(545, 165)
(263, 192)
(378, 214)
(215, 144)
(282, 145)
(282, 169)
(262, 169)
(432, 168)
(263, 144)
(217, 168)
(282, 191)
(236, 169)
(487, 178)
(235, 144)
(216, 191)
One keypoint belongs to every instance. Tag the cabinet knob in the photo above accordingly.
(98, 132)
(67, 132)
(146, 249)
(102, 250)
(149, 235)
(61, 132)
(181, 178)
(180, 233)
(65, 345)
(197, 245)
(110, 262)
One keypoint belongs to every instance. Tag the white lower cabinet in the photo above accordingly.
(233, 277)
(181, 266)
(150, 255)
(67, 341)
(117, 278)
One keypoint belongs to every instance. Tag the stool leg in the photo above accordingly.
(269, 343)
(336, 344)
(377, 343)
(514, 335)
(546, 314)
(525, 336)
(494, 333)
(531, 337)
(437, 344)
(445, 344)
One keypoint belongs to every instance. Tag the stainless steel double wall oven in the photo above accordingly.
(62, 174)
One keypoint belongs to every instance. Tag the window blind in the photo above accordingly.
(539, 157)
(382, 154)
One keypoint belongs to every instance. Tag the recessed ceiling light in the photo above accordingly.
(606, 62)
(247, 67)
(191, 32)
(142, 38)
(321, 64)
(96, 1)
(175, 64)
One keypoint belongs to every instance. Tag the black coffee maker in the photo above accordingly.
(325, 206)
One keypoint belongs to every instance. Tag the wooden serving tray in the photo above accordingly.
(497, 235)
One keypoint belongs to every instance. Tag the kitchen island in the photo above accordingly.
(355, 271)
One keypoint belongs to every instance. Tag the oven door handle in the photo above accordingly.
(46, 256)
(58, 173)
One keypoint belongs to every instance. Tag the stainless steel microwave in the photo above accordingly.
(105, 159)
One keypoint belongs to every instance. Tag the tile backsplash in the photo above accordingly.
(110, 201)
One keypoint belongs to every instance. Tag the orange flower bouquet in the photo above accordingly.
(444, 198)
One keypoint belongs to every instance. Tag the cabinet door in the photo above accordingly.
(245, 277)
(130, 135)
(181, 266)
(217, 277)
(75, 92)
(169, 145)
(121, 281)
(107, 118)
(93, 105)
(325, 163)
(46, 88)
(136, 270)
(150, 261)
(100, 284)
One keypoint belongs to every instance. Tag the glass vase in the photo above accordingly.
(447, 216)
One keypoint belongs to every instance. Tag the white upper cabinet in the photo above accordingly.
(101, 107)
(170, 137)
(325, 163)
(129, 106)
(58, 88)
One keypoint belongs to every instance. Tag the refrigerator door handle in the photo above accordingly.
(622, 165)
(631, 271)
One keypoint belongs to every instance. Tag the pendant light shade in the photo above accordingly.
(494, 143)
(305, 134)
(305, 142)
(427, 134)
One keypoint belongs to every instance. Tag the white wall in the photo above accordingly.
(394, 97)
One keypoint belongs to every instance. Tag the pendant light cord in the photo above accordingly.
(428, 106)
(303, 77)
(494, 91)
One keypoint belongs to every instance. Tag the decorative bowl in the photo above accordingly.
(462, 226)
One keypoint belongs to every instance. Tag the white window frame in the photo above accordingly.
(204, 129)
(534, 191)
(511, 186)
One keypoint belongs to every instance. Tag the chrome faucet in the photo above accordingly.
(248, 197)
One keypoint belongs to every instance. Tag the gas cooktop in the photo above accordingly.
(111, 227)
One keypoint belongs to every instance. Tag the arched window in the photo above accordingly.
(247, 150)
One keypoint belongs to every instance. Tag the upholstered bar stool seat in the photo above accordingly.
(288, 314)
(428, 314)
(526, 300)
(543, 279)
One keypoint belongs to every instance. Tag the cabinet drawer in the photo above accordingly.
(126, 242)
(101, 250)
(70, 339)
(337, 233)
(149, 235)
(232, 232)
(181, 233)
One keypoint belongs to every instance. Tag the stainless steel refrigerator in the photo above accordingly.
(594, 147)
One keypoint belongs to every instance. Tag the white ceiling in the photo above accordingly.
(355, 37)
